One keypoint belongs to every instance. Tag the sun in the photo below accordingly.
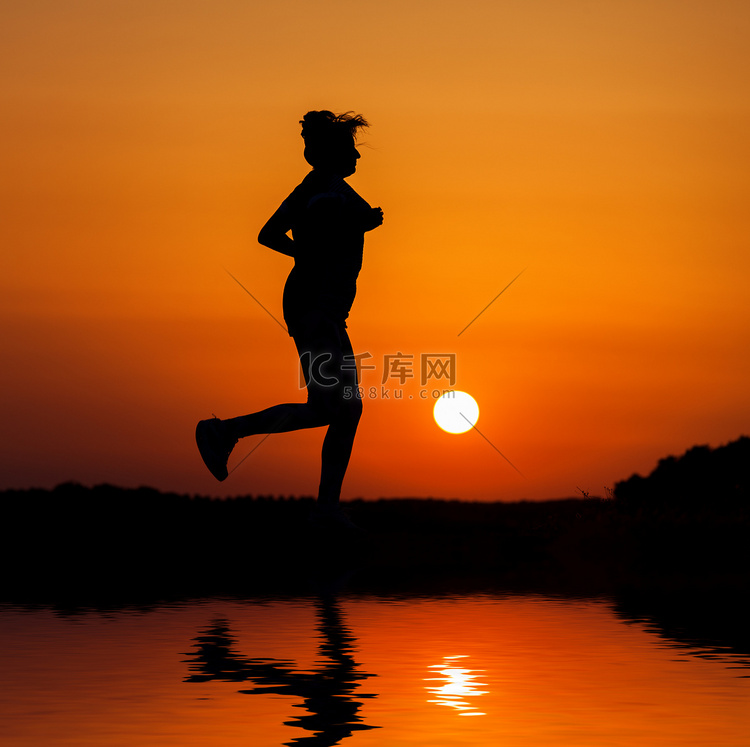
(456, 412)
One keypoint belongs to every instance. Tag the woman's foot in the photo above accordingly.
(215, 446)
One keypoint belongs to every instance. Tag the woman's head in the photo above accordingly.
(329, 140)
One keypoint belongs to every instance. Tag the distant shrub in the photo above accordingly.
(701, 478)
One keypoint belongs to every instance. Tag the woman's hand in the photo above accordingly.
(373, 218)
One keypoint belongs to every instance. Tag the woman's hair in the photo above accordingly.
(325, 132)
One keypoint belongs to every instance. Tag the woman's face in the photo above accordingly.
(342, 160)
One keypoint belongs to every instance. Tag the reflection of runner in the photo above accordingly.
(328, 221)
(327, 692)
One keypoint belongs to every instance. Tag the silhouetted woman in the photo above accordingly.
(328, 221)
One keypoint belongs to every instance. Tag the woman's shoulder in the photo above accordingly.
(300, 196)
(322, 192)
(313, 184)
(318, 189)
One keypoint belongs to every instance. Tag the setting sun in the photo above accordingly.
(456, 412)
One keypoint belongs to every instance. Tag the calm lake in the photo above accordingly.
(474, 669)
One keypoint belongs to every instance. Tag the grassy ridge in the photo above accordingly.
(107, 540)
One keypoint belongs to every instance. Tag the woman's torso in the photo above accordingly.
(327, 218)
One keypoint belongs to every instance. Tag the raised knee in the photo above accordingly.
(352, 409)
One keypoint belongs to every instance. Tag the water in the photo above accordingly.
(478, 669)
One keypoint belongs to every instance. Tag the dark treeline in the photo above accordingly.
(702, 480)
(106, 541)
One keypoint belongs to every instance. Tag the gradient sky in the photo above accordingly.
(601, 147)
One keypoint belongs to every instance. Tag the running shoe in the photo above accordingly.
(215, 446)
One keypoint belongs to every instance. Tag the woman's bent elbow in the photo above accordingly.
(265, 238)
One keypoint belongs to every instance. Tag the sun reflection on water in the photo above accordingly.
(456, 686)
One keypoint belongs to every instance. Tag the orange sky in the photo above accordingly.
(601, 147)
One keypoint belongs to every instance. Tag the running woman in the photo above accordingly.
(327, 220)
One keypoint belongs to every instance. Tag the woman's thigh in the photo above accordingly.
(328, 363)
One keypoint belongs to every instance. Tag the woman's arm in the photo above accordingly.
(274, 233)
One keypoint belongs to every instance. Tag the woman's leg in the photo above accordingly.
(217, 438)
(346, 407)
(321, 354)
(291, 416)
(330, 373)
